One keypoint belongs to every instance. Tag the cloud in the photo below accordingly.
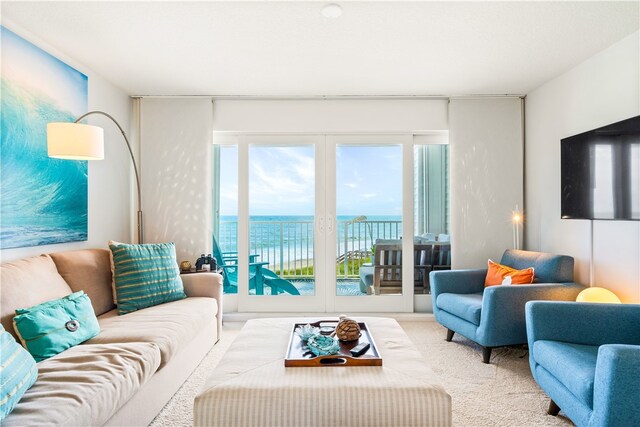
(281, 180)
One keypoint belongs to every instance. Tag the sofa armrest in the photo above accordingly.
(616, 390)
(457, 281)
(203, 285)
(503, 309)
(207, 285)
(583, 323)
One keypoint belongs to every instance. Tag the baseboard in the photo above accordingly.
(407, 317)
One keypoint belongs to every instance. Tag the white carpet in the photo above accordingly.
(502, 393)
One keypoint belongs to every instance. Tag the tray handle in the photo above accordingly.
(333, 359)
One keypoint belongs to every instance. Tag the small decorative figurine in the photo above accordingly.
(305, 332)
(185, 266)
(347, 329)
(322, 345)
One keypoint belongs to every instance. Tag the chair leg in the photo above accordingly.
(554, 409)
(486, 354)
(450, 335)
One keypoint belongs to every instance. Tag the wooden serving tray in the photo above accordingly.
(295, 353)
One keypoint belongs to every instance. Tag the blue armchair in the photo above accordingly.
(586, 357)
(494, 316)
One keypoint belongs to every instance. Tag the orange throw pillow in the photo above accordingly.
(497, 272)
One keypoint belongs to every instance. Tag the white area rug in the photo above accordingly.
(502, 393)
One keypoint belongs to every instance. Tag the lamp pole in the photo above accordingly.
(133, 160)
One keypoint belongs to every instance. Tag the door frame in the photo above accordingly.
(325, 298)
(280, 303)
(371, 303)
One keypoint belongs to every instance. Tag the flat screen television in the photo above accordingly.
(600, 173)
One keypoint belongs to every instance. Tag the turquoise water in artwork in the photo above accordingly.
(42, 200)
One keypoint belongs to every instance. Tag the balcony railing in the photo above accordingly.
(288, 245)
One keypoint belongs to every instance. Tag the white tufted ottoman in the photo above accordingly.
(251, 387)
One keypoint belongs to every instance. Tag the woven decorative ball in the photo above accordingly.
(347, 329)
(185, 266)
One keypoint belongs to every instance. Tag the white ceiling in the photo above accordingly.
(289, 48)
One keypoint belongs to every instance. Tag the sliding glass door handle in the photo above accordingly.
(320, 225)
(330, 223)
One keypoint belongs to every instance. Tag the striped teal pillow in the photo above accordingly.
(18, 372)
(145, 275)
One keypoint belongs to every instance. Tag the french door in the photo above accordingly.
(281, 201)
(370, 205)
(313, 213)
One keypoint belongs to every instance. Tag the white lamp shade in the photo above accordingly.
(75, 141)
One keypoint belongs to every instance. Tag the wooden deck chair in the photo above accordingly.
(423, 265)
(442, 257)
(387, 268)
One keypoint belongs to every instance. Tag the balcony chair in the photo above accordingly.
(494, 316)
(586, 357)
(387, 268)
(385, 273)
(442, 256)
(423, 264)
(259, 275)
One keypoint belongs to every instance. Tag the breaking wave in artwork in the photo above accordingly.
(42, 200)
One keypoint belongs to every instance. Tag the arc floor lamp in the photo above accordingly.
(77, 141)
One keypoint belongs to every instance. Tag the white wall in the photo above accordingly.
(109, 183)
(331, 115)
(602, 90)
(485, 155)
(176, 140)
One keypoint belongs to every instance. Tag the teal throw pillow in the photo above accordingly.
(18, 372)
(54, 326)
(145, 275)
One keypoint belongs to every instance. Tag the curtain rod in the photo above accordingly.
(331, 97)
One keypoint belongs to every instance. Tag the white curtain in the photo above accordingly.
(175, 145)
(486, 163)
(486, 159)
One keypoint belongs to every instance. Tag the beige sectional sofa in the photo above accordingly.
(126, 374)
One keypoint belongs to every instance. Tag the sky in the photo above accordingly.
(31, 67)
(282, 180)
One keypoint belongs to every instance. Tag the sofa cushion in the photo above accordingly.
(574, 365)
(28, 282)
(465, 306)
(171, 325)
(496, 273)
(54, 326)
(145, 275)
(18, 372)
(86, 384)
(88, 270)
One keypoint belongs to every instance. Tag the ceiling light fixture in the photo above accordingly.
(332, 10)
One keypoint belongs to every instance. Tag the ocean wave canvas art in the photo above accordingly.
(42, 200)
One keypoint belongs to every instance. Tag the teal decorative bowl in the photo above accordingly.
(322, 345)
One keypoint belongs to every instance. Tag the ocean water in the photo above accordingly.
(42, 200)
(285, 239)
